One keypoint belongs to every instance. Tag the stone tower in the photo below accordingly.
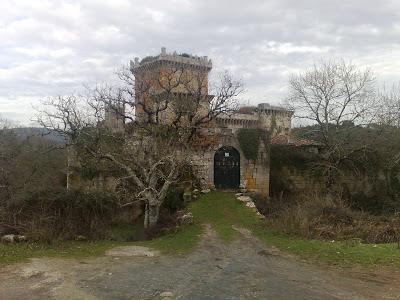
(180, 79)
(113, 117)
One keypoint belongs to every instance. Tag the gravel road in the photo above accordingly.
(243, 269)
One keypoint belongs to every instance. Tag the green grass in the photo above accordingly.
(221, 210)
(10, 253)
(181, 241)
(338, 253)
(173, 242)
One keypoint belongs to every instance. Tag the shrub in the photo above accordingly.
(47, 215)
(173, 201)
(378, 203)
(328, 219)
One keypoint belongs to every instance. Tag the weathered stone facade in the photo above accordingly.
(254, 175)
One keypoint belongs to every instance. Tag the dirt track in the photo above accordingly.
(244, 269)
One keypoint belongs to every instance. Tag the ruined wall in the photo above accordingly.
(256, 174)
(292, 172)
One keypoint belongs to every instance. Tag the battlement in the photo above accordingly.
(174, 58)
(264, 115)
(273, 110)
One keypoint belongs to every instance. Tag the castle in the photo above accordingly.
(223, 164)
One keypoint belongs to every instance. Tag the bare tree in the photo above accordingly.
(389, 108)
(389, 122)
(143, 128)
(26, 168)
(331, 94)
(334, 97)
(7, 143)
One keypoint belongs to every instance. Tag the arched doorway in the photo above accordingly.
(226, 168)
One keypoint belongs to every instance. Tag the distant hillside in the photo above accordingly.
(26, 132)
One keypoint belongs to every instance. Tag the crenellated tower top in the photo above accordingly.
(168, 84)
(182, 59)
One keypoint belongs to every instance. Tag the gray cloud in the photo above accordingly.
(53, 47)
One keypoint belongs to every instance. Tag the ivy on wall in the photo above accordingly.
(249, 141)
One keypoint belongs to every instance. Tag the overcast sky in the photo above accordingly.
(53, 47)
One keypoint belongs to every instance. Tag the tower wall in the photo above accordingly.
(180, 79)
(113, 117)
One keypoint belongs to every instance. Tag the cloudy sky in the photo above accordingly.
(52, 47)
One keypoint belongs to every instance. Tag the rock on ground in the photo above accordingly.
(185, 219)
(244, 198)
(166, 295)
(11, 238)
(250, 204)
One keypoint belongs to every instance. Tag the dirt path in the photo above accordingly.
(244, 269)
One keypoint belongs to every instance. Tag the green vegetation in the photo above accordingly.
(180, 241)
(249, 141)
(172, 242)
(221, 210)
(340, 253)
(360, 167)
(10, 253)
(293, 157)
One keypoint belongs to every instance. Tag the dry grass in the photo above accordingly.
(327, 218)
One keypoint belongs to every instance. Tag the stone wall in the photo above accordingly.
(254, 176)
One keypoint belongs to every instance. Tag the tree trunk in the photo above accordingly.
(151, 215)
(154, 212)
(146, 215)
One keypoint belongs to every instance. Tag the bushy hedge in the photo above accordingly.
(61, 213)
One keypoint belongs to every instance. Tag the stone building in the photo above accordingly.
(224, 164)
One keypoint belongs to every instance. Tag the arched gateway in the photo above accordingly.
(226, 168)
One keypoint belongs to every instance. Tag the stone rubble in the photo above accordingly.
(80, 238)
(185, 219)
(166, 296)
(244, 199)
(249, 203)
(12, 238)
